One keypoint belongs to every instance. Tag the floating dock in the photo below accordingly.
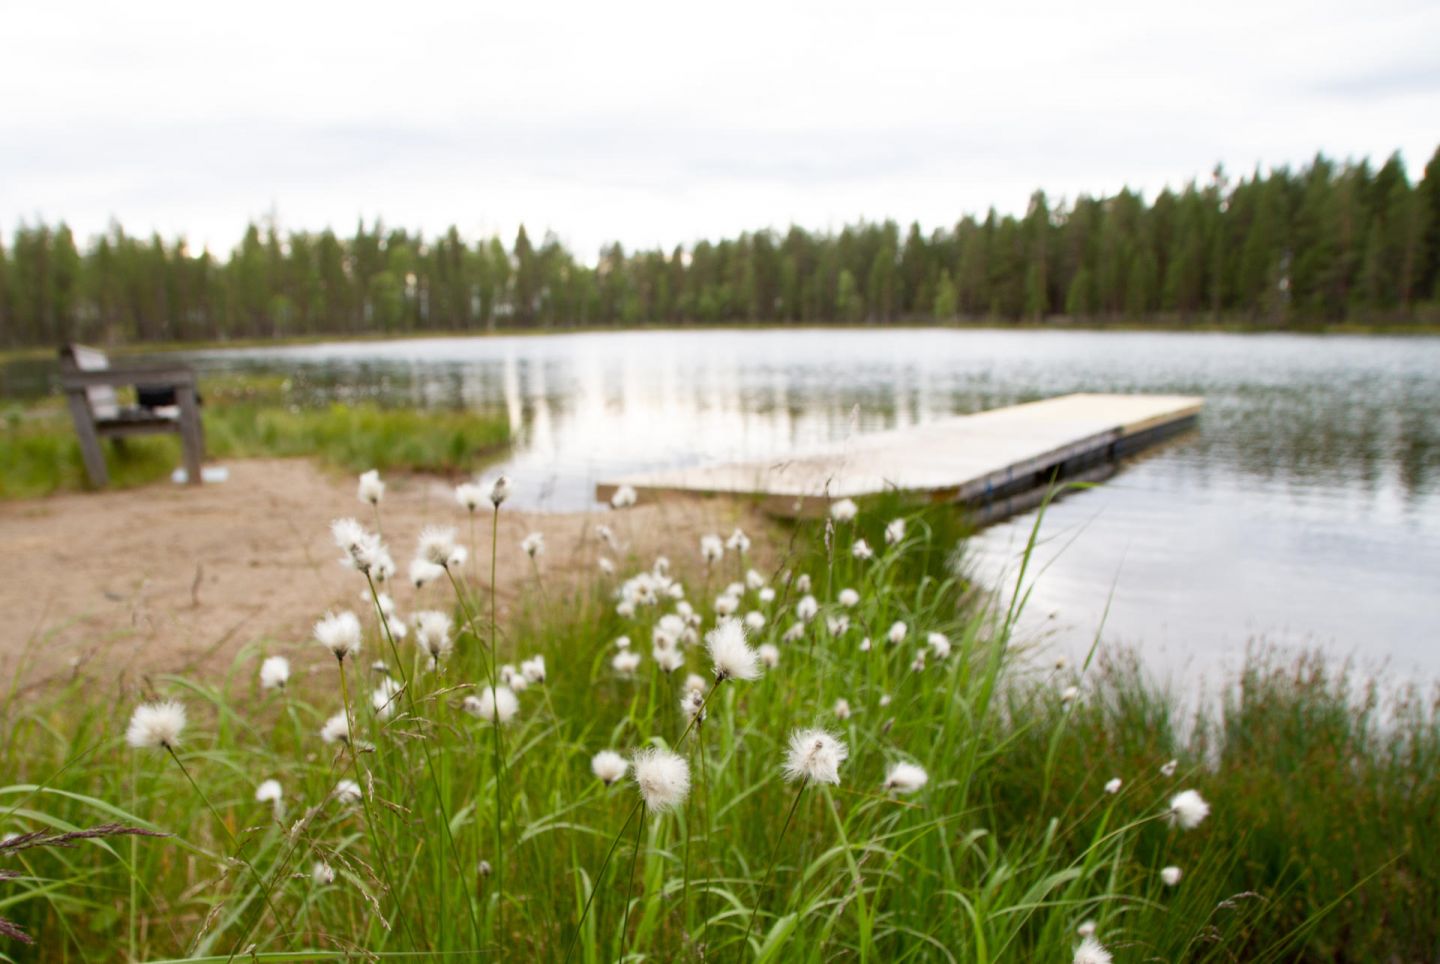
(997, 462)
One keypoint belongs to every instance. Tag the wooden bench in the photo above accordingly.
(168, 403)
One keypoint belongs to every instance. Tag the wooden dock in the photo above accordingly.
(994, 462)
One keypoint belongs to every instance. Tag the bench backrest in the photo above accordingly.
(104, 403)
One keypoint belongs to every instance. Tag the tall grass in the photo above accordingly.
(1315, 848)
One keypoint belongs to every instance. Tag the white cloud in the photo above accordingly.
(658, 123)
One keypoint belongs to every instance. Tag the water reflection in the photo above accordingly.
(1304, 509)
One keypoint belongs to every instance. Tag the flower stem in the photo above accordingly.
(630, 885)
(599, 878)
(774, 856)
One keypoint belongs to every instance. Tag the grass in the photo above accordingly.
(1315, 849)
(250, 417)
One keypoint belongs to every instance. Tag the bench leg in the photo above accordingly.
(90, 450)
(192, 434)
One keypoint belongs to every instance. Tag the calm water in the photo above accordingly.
(1304, 510)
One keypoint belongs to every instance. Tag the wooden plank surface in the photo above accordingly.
(957, 458)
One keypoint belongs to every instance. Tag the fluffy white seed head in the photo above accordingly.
(662, 777)
(1170, 876)
(795, 633)
(268, 792)
(623, 498)
(730, 652)
(363, 550)
(322, 874)
(533, 669)
(726, 605)
(1113, 785)
(1168, 770)
(754, 581)
(1086, 928)
(692, 705)
(884, 700)
(712, 550)
(842, 709)
(371, 489)
(432, 635)
(939, 645)
(838, 625)
(738, 541)
(905, 777)
(806, 608)
(274, 672)
(1069, 695)
(423, 572)
(668, 658)
(156, 725)
(625, 662)
(346, 792)
(336, 729)
(849, 598)
(500, 490)
(608, 766)
(755, 620)
(696, 683)
(898, 632)
(802, 583)
(865, 645)
(1091, 951)
(533, 544)
(861, 550)
(437, 545)
(769, 655)
(606, 566)
(340, 634)
(844, 510)
(815, 756)
(493, 704)
(895, 531)
(1187, 810)
(470, 496)
(918, 663)
(767, 594)
(386, 698)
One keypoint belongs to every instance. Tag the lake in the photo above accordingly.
(1304, 510)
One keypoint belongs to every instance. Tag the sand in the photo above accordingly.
(116, 586)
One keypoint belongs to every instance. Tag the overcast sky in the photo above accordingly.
(662, 123)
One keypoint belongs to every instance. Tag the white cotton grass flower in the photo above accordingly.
(156, 725)
(794, 634)
(609, 767)
(865, 645)
(767, 594)
(625, 662)
(849, 598)
(1113, 785)
(844, 511)
(905, 777)
(470, 496)
(726, 605)
(432, 635)
(423, 572)
(1092, 951)
(692, 706)
(322, 874)
(371, 490)
(623, 497)
(622, 642)
(1086, 928)
(437, 545)
(668, 658)
(1171, 875)
(802, 583)
(346, 792)
(894, 531)
(884, 700)
(606, 566)
(815, 757)
(918, 663)
(842, 709)
(336, 729)
(274, 673)
(339, 633)
(738, 541)
(861, 550)
(513, 678)
(898, 632)
(1069, 695)
(495, 703)
(363, 550)
(696, 682)
(1187, 810)
(533, 545)
(499, 490)
(712, 550)
(269, 792)
(769, 655)
(1168, 770)
(753, 580)
(837, 625)
(533, 669)
(662, 777)
(731, 653)
(755, 620)
(385, 698)
(939, 645)
(806, 608)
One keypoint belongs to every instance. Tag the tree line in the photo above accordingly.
(1329, 242)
